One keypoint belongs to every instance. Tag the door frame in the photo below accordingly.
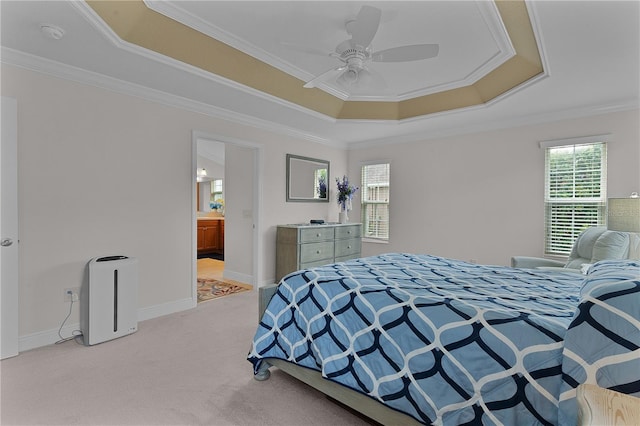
(9, 259)
(257, 203)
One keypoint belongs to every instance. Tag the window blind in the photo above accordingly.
(375, 200)
(575, 193)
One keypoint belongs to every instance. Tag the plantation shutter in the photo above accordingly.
(575, 193)
(375, 201)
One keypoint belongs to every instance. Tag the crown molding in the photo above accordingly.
(56, 69)
(543, 118)
(94, 19)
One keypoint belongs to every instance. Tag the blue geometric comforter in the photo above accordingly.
(450, 342)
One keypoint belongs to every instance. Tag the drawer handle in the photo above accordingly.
(348, 247)
(318, 252)
(318, 235)
(348, 232)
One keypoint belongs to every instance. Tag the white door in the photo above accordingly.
(9, 229)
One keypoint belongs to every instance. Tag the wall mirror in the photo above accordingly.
(307, 179)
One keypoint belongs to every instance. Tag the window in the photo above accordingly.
(216, 190)
(575, 192)
(375, 201)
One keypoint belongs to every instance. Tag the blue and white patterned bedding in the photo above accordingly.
(449, 342)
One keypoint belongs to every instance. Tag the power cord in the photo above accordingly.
(73, 335)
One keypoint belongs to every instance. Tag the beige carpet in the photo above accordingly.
(188, 368)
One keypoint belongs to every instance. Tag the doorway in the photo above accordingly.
(227, 203)
(210, 201)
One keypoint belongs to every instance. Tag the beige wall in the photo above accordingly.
(102, 173)
(480, 196)
(85, 190)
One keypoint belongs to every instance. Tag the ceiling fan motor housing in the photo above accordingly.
(355, 58)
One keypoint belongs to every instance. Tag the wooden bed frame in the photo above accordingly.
(352, 399)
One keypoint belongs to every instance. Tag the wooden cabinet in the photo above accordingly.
(211, 236)
(305, 246)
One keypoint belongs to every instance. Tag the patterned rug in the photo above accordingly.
(209, 289)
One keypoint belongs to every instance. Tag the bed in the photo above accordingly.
(421, 339)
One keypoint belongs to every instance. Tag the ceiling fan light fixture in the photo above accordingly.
(350, 76)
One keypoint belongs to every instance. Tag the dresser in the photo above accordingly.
(301, 246)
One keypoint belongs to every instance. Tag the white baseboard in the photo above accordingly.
(237, 276)
(49, 337)
(44, 338)
(166, 309)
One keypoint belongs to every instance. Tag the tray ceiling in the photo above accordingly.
(487, 50)
(584, 58)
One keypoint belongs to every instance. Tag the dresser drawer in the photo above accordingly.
(313, 252)
(312, 234)
(347, 247)
(314, 264)
(349, 231)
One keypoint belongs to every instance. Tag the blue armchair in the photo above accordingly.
(592, 245)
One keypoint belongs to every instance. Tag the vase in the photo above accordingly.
(343, 216)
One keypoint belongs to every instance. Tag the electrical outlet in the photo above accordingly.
(71, 294)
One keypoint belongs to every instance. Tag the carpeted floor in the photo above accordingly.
(209, 288)
(189, 368)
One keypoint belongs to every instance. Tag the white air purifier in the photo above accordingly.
(110, 299)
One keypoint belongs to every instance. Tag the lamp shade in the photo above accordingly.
(624, 214)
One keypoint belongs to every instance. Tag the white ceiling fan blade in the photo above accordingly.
(413, 52)
(365, 27)
(345, 45)
(312, 83)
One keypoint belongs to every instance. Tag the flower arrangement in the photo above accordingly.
(217, 205)
(345, 193)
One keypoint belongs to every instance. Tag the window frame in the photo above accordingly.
(595, 207)
(364, 203)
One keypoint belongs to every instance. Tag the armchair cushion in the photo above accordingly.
(534, 262)
(596, 244)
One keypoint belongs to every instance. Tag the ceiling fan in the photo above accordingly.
(356, 52)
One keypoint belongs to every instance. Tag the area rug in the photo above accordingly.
(209, 289)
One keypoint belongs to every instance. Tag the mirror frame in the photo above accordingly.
(291, 197)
